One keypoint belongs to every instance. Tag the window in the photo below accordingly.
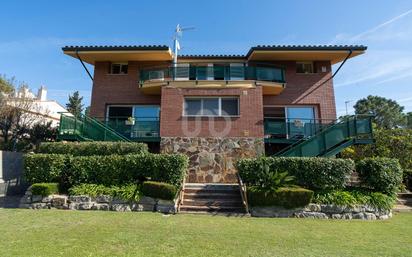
(119, 68)
(237, 71)
(211, 106)
(304, 67)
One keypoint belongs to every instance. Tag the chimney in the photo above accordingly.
(42, 93)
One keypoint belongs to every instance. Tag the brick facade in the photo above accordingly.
(248, 124)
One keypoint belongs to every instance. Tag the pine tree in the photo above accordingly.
(75, 105)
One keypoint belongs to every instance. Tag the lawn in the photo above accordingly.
(88, 233)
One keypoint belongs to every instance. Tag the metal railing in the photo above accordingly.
(216, 72)
(294, 128)
(84, 127)
(355, 129)
(137, 128)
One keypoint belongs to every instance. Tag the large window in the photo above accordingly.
(211, 106)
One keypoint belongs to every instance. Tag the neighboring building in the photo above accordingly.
(214, 108)
(38, 106)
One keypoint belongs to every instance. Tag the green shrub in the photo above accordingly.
(43, 167)
(285, 197)
(352, 197)
(128, 192)
(45, 189)
(105, 170)
(93, 148)
(310, 172)
(380, 174)
(92, 190)
(159, 190)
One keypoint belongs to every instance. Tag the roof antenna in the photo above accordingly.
(176, 46)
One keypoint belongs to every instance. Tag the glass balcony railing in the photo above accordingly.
(282, 128)
(216, 72)
(137, 129)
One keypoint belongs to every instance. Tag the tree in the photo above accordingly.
(42, 132)
(75, 106)
(387, 113)
(87, 111)
(6, 85)
(409, 120)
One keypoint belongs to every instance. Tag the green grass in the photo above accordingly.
(88, 233)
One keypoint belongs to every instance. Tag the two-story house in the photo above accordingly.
(214, 108)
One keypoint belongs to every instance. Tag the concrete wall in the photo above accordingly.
(11, 173)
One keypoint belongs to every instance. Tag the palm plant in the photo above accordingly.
(270, 180)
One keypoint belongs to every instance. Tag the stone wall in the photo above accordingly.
(11, 173)
(323, 211)
(102, 203)
(212, 160)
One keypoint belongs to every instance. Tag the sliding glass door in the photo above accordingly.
(300, 121)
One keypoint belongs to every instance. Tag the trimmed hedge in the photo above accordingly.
(380, 174)
(45, 189)
(285, 197)
(92, 148)
(310, 172)
(40, 168)
(159, 190)
(106, 170)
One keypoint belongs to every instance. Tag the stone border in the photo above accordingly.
(102, 203)
(323, 211)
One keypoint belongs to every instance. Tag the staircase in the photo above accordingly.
(85, 128)
(212, 198)
(333, 139)
(403, 203)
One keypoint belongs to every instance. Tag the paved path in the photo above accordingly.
(9, 201)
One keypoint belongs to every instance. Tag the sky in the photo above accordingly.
(33, 32)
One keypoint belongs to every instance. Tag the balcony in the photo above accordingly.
(283, 130)
(142, 129)
(272, 79)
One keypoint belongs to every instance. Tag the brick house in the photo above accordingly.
(214, 108)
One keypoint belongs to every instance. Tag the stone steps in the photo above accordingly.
(212, 198)
(403, 202)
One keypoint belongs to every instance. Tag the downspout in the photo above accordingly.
(84, 66)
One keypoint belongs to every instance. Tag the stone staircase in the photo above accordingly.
(212, 198)
(403, 203)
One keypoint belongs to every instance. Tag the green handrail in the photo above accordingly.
(331, 140)
(84, 127)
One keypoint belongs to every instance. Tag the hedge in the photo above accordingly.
(159, 190)
(40, 168)
(285, 197)
(310, 172)
(45, 189)
(92, 148)
(380, 174)
(106, 170)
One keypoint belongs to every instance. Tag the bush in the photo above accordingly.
(126, 192)
(159, 190)
(105, 170)
(354, 197)
(43, 167)
(45, 189)
(311, 172)
(285, 197)
(380, 174)
(93, 148)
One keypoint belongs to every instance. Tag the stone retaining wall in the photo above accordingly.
(212, 159)
(103, 203)
(323, 211)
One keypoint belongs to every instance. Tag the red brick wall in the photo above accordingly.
(250, 120)
(304, 89)
(117, 89)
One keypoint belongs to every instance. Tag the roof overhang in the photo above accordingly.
(334, 54)
(119, 53)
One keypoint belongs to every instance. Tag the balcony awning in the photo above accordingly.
(332, 53)
(92, 54)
